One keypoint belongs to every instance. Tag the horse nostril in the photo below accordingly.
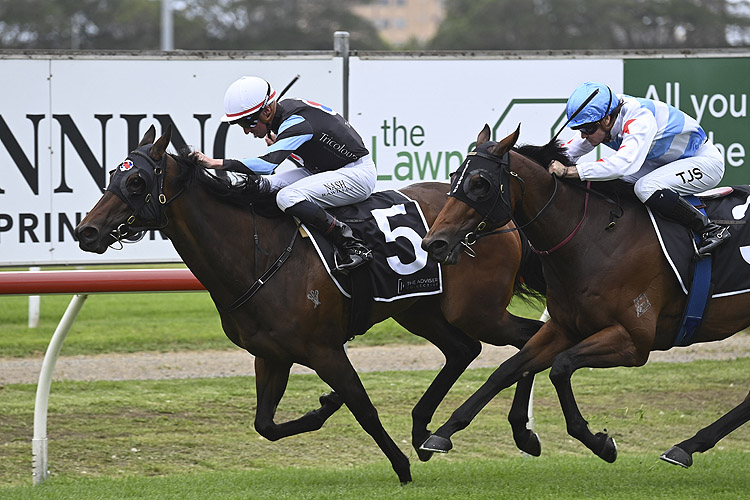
(86, 233)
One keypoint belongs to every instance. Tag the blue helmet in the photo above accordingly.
(601, 104)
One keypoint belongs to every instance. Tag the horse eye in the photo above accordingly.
(135, 185)
(478, 187)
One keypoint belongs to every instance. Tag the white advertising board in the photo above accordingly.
(420, 117)
(65, 123)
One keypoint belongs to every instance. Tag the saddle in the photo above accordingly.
(723, 273)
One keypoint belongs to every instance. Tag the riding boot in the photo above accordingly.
(674, 207)
(350, 252)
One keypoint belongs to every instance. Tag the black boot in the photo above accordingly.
(351, 251)
(674, 207)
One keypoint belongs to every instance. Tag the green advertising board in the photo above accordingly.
(712, 90)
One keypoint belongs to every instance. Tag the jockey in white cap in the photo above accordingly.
(335, 168)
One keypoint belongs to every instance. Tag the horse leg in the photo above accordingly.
(526, 440)
(706, 438)
(271, 381)
(535, 356)
(335, 369)
(459, 351)
(610, 347)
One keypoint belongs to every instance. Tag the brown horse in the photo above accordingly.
(611, 294)
(227, 244)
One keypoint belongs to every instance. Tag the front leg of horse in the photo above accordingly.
(535, 356)
(526, 439)
(506, 375)
(705, 439)
(337, 371)
(457, 361)
(271, 381)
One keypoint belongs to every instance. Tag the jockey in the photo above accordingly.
(334, 167)
(661, 150)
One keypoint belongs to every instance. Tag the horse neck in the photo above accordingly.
(216, 241)
(544, 206)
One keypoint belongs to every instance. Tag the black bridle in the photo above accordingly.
(490, 176)
(146, 206)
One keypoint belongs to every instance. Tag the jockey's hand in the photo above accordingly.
(206, 162)
(270, 138)
(560, 170)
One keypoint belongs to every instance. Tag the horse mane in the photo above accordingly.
(245, 192)
(543, 155)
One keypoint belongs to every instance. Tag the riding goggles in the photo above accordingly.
(248, 121)
(588, 128)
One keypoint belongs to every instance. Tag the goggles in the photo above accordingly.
(588, 128)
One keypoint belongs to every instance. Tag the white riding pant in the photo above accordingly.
(349, 184)
(685, 176)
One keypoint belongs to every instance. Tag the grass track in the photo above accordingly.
(194, 439)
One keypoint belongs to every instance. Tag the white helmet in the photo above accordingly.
(247, 96)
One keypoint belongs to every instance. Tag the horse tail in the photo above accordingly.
(529, 283)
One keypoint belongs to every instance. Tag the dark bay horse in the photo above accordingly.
(228, 243)
(611, 294)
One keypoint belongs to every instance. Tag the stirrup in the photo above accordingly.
(356, 257)
(712, 239)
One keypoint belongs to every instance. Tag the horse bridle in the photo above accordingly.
(492, 209)
(149, 206)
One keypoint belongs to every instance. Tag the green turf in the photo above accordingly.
(179, 438)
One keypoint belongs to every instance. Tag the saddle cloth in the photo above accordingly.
(392, 226)
(731, 260)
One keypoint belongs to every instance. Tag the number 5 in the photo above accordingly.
(381, 217)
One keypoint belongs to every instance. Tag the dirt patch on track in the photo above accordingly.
(229, 363)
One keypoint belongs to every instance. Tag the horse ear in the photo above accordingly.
(506, 144)
(148, 137)
(484, 135)
(160, 146)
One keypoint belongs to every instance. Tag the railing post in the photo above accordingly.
(341, 47)
(39, 441)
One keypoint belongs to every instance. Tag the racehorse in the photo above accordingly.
(227, 242)
(611, 295)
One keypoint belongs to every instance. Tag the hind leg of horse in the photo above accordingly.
(271, 382)
(607, 348)
(336, 370)
(459, 351)
(682, 454)
(536, 355)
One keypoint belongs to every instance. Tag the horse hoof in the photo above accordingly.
(531, 446)
(677, 456)
(608, 452)
(437, 443)
(417, 439)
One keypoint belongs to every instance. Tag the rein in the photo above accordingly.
(265, 277)
(573, 233)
